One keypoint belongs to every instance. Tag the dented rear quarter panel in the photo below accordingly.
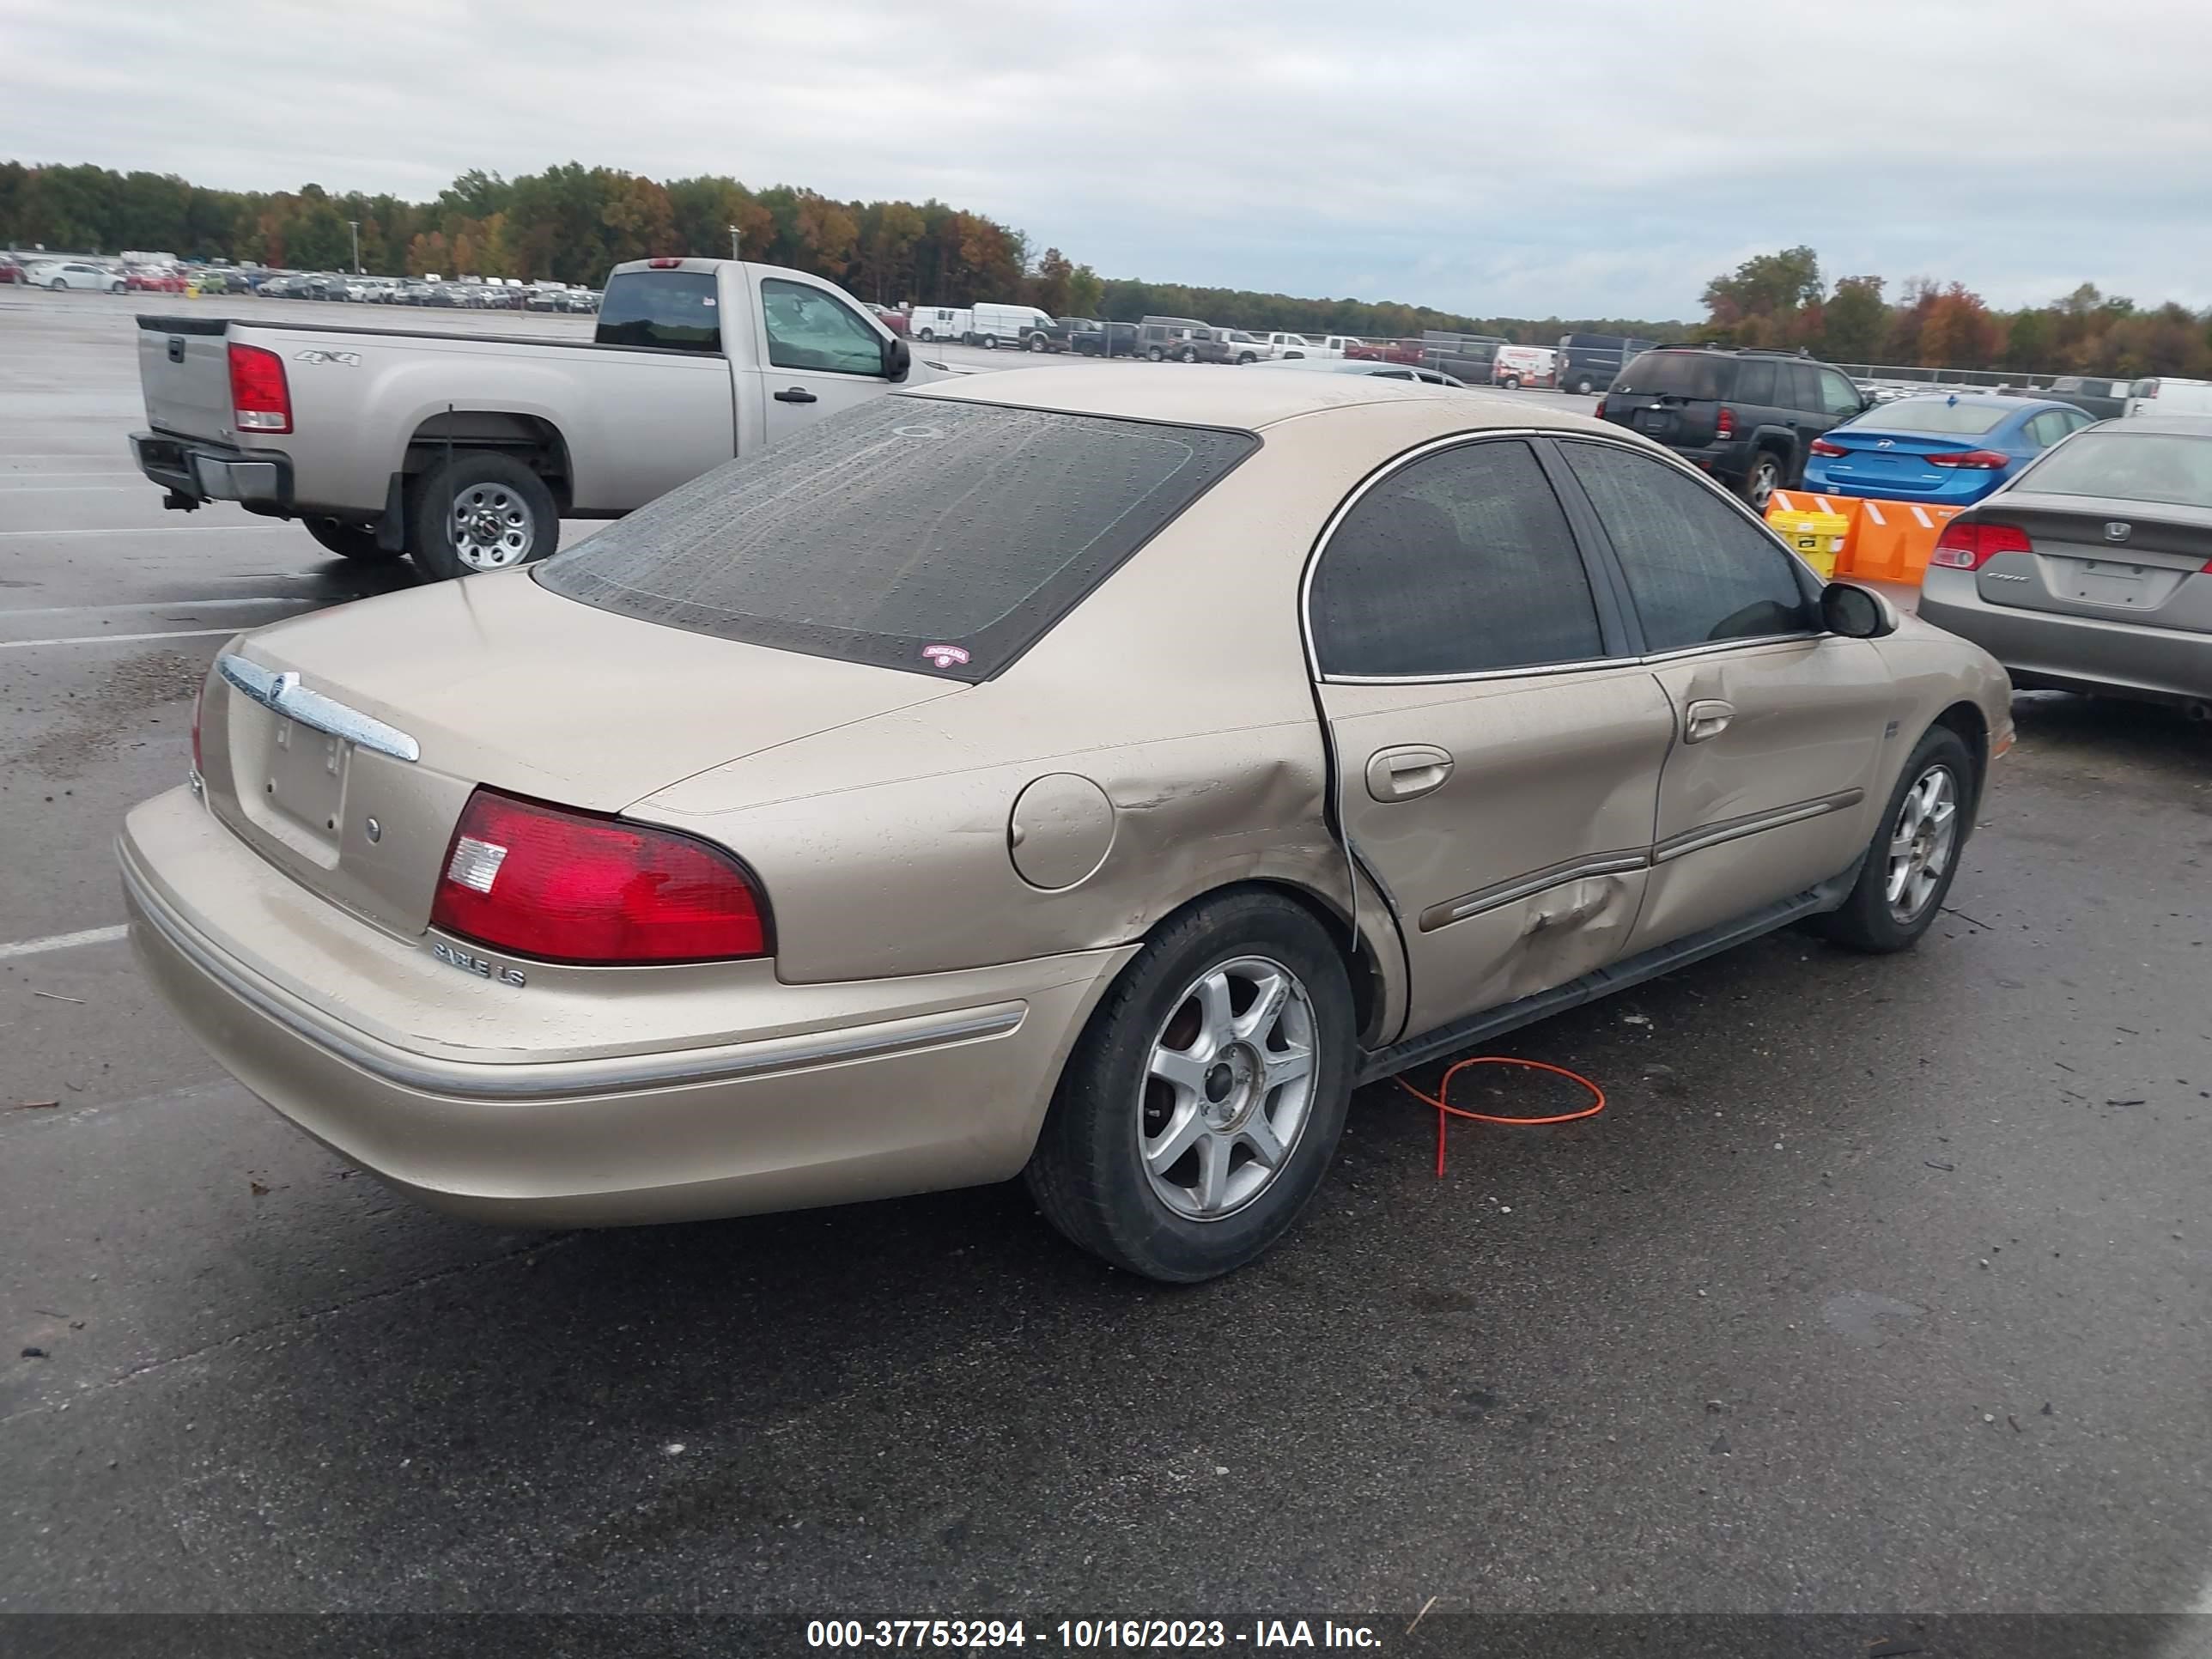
(1179, 687)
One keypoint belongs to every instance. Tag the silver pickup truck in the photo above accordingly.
(463, 451)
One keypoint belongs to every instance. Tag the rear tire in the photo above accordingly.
(1764, 478)
(1172, 1060)
(1243, 357)
(1915, 853)
(1583, 387)
(1189, 355)
(1154, 353)
(499, 513)
(990, 342)
(351, 541)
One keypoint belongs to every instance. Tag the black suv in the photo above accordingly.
(1745, 417)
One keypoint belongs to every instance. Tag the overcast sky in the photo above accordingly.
(1576, 157)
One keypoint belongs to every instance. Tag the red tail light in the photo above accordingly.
(1979, 460)
(199, 698)
(566, 886)
(1971, 546)
(1600, 410)
(1724, 423)
(664, 264)
(260, 398)
(1822, 446)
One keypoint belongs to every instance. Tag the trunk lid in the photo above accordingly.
(1881, 461)
(183, 370)
(491, 680)
(2151, 574)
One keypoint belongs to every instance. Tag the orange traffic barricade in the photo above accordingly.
(1894, 538)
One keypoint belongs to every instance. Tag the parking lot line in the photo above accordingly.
(118, 639)
(32, 947)
(157, 604)
(164, 530)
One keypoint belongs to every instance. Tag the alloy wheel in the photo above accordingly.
(1922, 842)
(1228, 1090)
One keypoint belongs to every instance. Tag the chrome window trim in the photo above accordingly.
(282, 694)
(565, 1080)
(1644, 447)
(1390, 469)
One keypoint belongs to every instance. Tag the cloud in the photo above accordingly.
(1585, 158)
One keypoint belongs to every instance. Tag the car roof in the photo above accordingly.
(1225, 396)
(2172, 426)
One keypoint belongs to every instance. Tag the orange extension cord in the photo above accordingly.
(1446, 1112)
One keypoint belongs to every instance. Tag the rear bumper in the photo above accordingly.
(1960, 493)
(204, 471)
(832, 1093)
(2040, 650)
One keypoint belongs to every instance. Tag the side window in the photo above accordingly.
(2047, 429)
(1841, 397)
(1803, 383)
(2076, 419)
(1456, 563)
(810, 329)
(1754, 382)
(1697, 571)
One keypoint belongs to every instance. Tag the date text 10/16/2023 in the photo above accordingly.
(1087, 1634)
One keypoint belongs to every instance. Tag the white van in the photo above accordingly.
(933, 322)
(995, 325)
(2167, 396)
(1520, 365)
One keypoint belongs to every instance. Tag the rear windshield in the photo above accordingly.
(1935, 415)
(672, 309)
(2137, 466)
(939, 537)
(1677, 374)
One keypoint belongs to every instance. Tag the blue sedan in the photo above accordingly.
(1950, 450)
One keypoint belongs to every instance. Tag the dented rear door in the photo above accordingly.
(1508, 822)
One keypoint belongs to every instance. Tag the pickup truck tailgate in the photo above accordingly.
(184, 369)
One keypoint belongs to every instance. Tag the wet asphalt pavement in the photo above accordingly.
(1879, 1285)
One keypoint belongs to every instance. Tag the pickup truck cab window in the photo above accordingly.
(673, 310)
(808, 328)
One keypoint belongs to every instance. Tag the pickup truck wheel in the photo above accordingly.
(1246, 357)
(1189, 355)
(480, 511)
(1036, 342)
(350, 541)
(1200, 1109)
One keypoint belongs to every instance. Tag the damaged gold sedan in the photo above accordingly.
(1089, 776)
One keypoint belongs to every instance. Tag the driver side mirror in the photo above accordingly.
(898, 357)
(1856, 612)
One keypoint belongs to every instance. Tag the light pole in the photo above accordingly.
(353, 225)
(734, 255)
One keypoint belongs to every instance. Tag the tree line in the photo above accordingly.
(570, 223)
(1781, 299)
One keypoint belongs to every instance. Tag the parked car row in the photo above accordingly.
(500, 294)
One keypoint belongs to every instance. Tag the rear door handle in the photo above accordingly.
(796, 394)
(1708, 717)
(1406, 774)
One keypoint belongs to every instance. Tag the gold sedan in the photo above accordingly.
(1088, 776)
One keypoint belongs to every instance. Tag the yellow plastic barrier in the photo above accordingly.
(1818, 537)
